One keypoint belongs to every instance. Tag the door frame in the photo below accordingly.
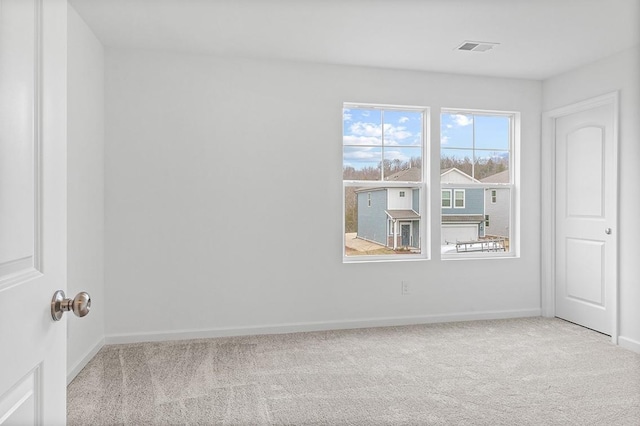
(548, 203)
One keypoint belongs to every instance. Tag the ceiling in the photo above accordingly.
(538, 38)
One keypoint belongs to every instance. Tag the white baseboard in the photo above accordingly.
(630, 344)
(315, 326)
(75, 370)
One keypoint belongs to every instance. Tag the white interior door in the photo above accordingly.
(32, 210)
(585, 218)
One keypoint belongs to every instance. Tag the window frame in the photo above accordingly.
(513, 185)
(423, 186)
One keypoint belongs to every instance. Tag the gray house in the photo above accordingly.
(390, 216)
(497, 205)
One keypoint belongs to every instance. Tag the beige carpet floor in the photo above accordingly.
(532, 371)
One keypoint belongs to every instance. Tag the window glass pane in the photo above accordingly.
(402, 128)
(446, 198)
(456, 165)
(481, 226)
(491, 166)
(403, 164)
(379, 222)
(458, 198)
(491, 132)
(456, 130)
(361, 126)
(361, 163)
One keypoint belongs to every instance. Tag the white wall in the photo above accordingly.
(184, 132)
(85, 168)
(619, 72)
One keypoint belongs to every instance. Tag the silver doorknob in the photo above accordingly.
(80, 305)
(607, 231)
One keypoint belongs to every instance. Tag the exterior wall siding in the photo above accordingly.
(498, 212)
(372, 221)
(396, 202)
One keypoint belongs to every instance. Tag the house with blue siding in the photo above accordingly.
(390, 216)
(462, 208)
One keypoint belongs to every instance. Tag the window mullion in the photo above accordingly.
(473, 146)
(382, 141)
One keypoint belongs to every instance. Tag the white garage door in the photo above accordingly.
(453, 233)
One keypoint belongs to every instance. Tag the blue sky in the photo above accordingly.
(461, 135)
(362, 136)
(474, 137)
(491, 132)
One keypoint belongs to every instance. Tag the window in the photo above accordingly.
(446, 198)
(458, 198)
(382, 168)
(476, 168)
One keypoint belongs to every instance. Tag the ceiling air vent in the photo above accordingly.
(476, 46)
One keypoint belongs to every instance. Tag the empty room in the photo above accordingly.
(358, 212)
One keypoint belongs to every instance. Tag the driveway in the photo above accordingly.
(359, 244)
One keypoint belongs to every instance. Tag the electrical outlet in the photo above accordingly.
(406, 287)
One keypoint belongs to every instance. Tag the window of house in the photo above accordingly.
(383, 154)
(446, 198)
(477, 165)
(458, 198)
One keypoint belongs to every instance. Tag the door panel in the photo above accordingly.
(585, 174)
(17, 91)
(19, 406)
(586, 204)
(32, 210)
(586, 283)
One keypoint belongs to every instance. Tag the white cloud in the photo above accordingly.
(444, 140)
(361, 140)
(366, 129)
(449, 126)
(403, 120)
(363, 155)
(462, 120)
(393, 133)
(361, 133)
(346, 114)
